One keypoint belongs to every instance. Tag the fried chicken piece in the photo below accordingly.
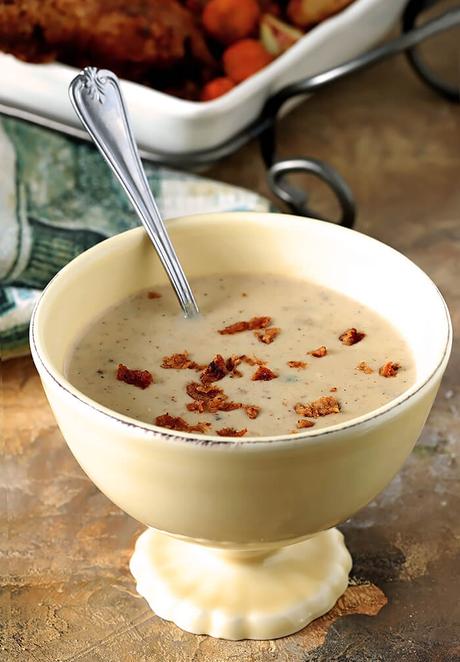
(131, 38)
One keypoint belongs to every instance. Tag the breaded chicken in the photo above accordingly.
(130, 36)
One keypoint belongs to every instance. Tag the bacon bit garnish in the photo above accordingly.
(215, 371)
(364, 367)
(139, 378)
(351, 336)
(237, 327)
(154, 295)
(305, 423)
(203, 391)
(333, 389)
(263, 374)
(254, 323)
(259, 322)
(209, 399)
(198, 406)
(231, 432)
(297, 364)
(389, 369)
(319, 352)
(269, 335)
(212, 406)
(324, 406)
(180, 362)
(231, 364)
(251, 411)
(227, 405)
(252, 360)
(179, 424)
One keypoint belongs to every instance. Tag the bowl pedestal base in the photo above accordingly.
(240, 594)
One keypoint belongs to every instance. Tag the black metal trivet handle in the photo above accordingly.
(278, 170)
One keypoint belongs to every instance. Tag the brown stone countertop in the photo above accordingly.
(67, 593)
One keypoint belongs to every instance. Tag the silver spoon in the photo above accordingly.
(96, 97)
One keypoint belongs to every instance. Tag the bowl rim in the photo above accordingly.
(309, 436)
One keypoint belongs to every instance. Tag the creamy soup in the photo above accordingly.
(269, 356)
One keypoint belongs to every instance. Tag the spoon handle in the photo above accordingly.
(97, 99)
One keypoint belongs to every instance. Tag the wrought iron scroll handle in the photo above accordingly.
(278, 170)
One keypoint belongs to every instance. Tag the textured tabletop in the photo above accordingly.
(68, 594)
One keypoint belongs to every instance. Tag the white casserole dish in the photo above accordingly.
(167, 124)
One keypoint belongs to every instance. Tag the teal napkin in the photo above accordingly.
(58, 198)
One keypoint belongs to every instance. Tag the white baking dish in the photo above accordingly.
(167, 124)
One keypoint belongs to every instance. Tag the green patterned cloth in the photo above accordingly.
(58, 198)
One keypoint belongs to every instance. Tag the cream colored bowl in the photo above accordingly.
(243, 501)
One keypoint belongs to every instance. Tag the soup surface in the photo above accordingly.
(269, 356)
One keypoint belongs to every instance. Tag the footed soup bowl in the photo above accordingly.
(240, 540)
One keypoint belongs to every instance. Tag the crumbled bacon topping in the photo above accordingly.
(251, 411)
(297, 364)
(209, 399)
(153, 295)
(305, 423)
(231, 364)
(237, 327)
(324, 406)
(179, 424)
(220, 403)
(389, 369)
(180, 361)
(251, 325)
(268, 335)
(364, 367)
(231, 432)
(263, 374)
(203, 391)
(215, 371)
(333, 389)
(319, 352)
(351, 336)
(140, 378)
(252, 360)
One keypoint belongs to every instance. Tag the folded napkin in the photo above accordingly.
(58, 198)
